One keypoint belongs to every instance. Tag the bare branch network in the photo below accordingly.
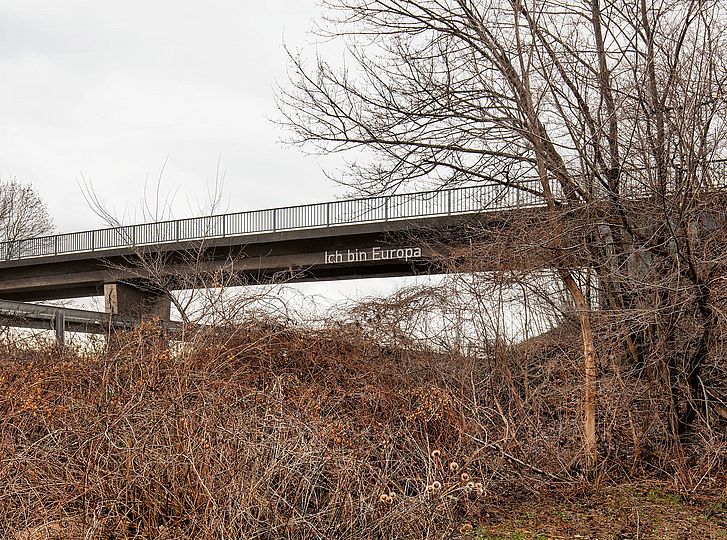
(599, 103)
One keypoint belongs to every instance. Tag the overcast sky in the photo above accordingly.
(109, 91)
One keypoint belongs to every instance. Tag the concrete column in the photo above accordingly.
(123, 299)
(60, 327)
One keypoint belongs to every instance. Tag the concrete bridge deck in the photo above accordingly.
(343, 252)
(348, 239)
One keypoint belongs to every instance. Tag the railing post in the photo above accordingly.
(449, 202)
(133, 235)
(93, 241)
(176, 230)
(224, 226)
(386, 208)
(55, 245)
(275, 219)
(328, 214)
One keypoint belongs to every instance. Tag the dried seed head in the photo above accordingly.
(436, 485)
(454, 466)
(428, 489)
(392, 495)
(383, 497)
(436, 454)
(466, 527)
(465, 477)
(470, 485)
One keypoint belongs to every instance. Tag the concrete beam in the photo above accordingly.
(123, 299)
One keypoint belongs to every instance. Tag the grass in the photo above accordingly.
(619, 512)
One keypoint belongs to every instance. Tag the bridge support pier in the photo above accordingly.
(60, 327)
(123, 299)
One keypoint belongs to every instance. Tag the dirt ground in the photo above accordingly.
(639, 512)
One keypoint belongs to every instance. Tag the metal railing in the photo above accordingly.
(444, 202)
(463, 200)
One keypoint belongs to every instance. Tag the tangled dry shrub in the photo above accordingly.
(268, 430)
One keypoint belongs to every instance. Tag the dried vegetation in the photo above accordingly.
(273, 430)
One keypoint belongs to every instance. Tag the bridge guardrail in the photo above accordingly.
(462, 200)
(444, 202)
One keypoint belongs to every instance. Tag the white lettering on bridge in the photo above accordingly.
(371, 254)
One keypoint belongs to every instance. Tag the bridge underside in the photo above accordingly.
(291, 256)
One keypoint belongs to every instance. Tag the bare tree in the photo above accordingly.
(202, 287)
(614, 109)
(23, 214)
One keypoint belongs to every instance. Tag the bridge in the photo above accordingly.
(344, 239)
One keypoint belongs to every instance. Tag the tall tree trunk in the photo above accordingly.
(590, 443)
(696, 361)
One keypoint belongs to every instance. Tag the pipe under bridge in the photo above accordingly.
(63, 319)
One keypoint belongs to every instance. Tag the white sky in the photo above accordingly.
(108, 91)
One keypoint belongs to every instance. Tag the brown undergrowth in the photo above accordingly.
(269, 430)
